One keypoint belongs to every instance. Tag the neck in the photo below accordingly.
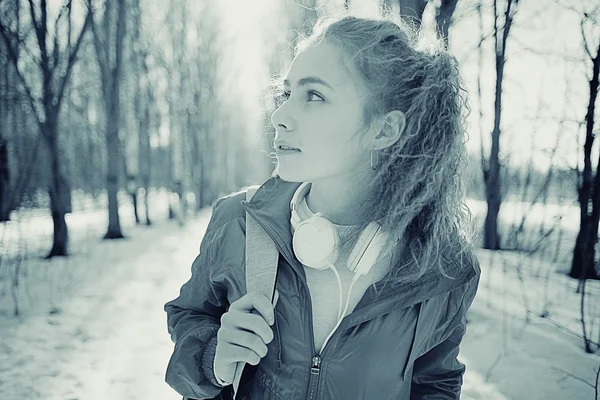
(339, 200)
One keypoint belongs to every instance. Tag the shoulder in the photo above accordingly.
(227, 212)
(228, 207)
(468, 265)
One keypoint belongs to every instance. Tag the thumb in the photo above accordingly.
(276, 297)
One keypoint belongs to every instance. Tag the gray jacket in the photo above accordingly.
(401, 345)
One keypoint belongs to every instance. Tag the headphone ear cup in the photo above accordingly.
(315, 243)
(367, 248)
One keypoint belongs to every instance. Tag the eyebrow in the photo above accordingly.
(307, 80)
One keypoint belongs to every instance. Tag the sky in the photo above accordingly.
(539, 90)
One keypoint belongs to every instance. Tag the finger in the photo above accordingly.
(256, 301)
(237, 353)
(246, 339)
(251, 322)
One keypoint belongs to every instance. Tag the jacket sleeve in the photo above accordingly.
(193, 320)
(437, 374)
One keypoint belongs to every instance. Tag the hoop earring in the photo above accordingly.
(377, 163)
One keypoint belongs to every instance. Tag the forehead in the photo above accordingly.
(327, 62)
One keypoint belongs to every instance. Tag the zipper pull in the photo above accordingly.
(316, 365)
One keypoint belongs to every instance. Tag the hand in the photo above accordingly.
(244, 334)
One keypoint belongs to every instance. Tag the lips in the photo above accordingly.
(282, 146)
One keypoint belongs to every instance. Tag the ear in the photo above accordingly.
(394, 123)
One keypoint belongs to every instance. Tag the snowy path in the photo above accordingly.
(109, 340)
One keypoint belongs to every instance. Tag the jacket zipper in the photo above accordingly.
(315, 367)
(313, 384)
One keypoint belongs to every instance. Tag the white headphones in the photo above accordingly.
(316, 245)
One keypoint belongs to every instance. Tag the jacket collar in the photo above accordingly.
(270, 207)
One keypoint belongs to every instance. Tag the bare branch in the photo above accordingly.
(102, 63)
(508, 22)
(33, 17)
(586, 46)
(55, 48)
(548, 53)
(477, 46)
(40, 32)
(14, 57)
(72, 57)
(121, 18)
(108, 7)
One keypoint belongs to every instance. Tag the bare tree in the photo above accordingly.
(5, 191)
(491, 166)
(588, 185)
(4, 179)
(177, 89)
(142, 101)
(414, 9)
(110, 62)
(146, 99)
(54, 64)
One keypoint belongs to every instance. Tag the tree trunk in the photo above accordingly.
(582, 265)
(5, 202)
(413, 9)
(146, 202)
(492, 177)
(60, 196)
(443, 18)
(134, 200)
(145, 152)
(111, 80)
(112, 179)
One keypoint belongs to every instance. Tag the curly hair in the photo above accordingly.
(419, 188)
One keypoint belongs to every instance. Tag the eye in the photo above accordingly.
(311, 93)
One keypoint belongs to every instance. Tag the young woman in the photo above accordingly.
(376, 126)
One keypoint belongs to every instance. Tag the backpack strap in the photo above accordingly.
(262, 258)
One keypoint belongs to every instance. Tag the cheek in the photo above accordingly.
(331, 133)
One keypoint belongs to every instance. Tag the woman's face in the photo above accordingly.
(323, 111)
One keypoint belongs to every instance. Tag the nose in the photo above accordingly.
(281, 120)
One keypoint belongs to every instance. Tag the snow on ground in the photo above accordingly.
(29, 232)
(109, 339)
(105, 336)
(535, 360)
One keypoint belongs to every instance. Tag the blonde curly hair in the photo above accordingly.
(419, 187)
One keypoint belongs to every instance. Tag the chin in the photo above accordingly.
(290, 174)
